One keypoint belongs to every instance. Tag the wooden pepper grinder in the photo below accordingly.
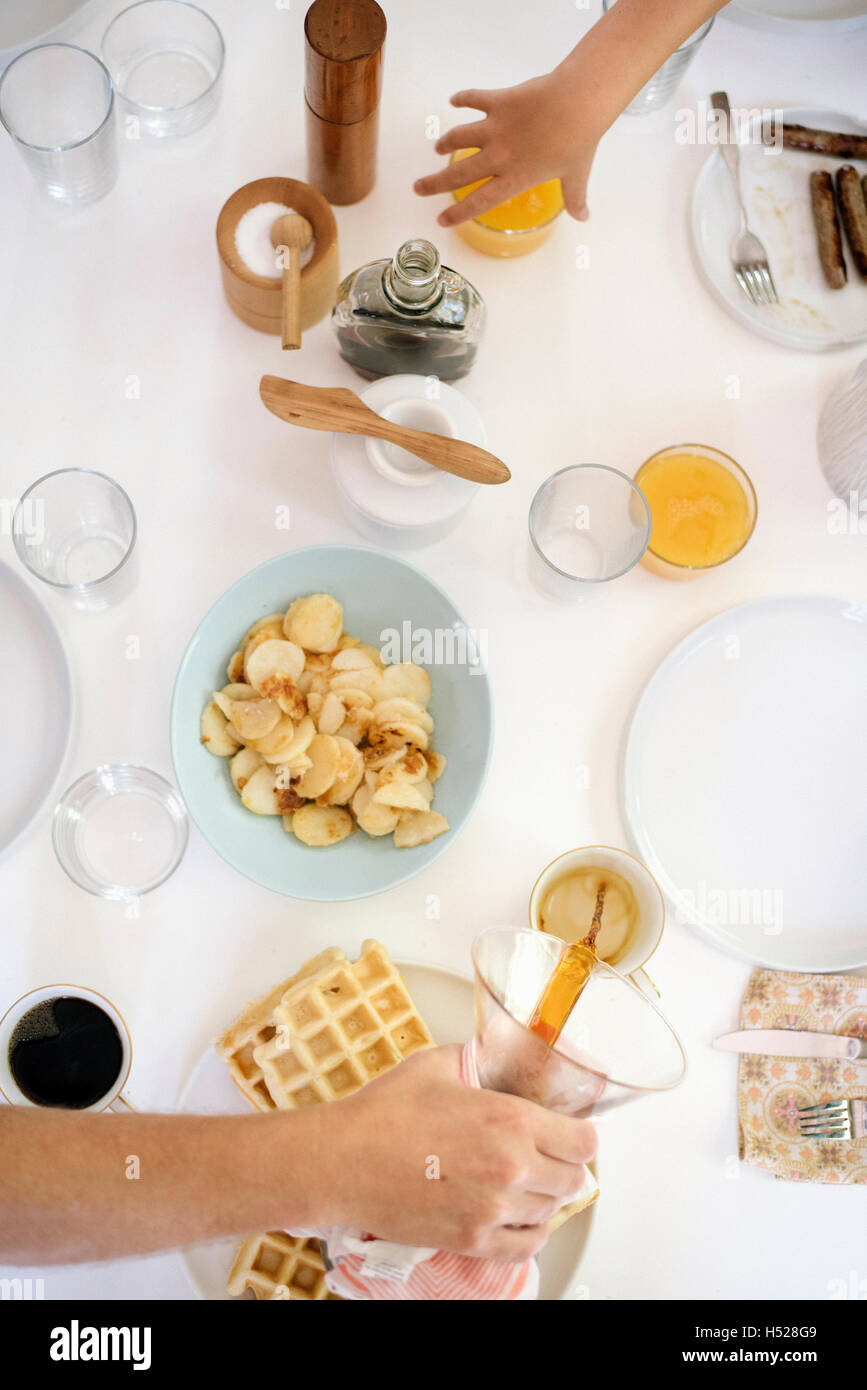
(343, 85)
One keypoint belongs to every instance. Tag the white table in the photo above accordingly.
(605, 363)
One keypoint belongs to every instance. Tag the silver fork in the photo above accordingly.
(836, 1119)
(749, 257)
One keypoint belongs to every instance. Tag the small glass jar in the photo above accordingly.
(409, 314)
(513, 228)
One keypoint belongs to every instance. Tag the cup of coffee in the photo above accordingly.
(66, 1047)
(564, 897)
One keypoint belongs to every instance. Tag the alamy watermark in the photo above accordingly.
(441, 646)
(23, 518)
(731, 907)
(754, 125)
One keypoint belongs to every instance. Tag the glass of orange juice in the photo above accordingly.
(703, 509)
(513, 228)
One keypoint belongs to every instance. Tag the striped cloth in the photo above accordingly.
(367, 1268)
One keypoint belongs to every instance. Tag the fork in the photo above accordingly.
(836, 1119)
(749, 257)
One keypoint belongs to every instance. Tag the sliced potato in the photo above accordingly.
(299, 765)
(321, 825)
(369, 680)
(374, 654)
(275, 657)
(356, 699)
(331, 715)
(287, 824)
(376, 759)
(324, 754)
(396, 735)
(259, 794)
(278, 740)
(408, 681)
(361, 799)
(305, 682)
(267, 630)
(418, 828)
(351, 659)
(235, 668)
(288, 799)
(355, 725)
(376, 820)
(425, 789)
(410, 767)
(436, 764)
(234, 691)
(242, 767)
(272, 623)
(305, 733)
(315, 701)
(286, 693)
(315, 623)
(254, 718)
(349, 774)
(402, 795)
(214, 732)
(399, 708)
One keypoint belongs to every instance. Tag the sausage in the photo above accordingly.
(828, 236)
(853, 215)
(830, 142)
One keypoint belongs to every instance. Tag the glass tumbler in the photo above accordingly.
(661, 88)
(166, 58)
(76, 530)
(615, 1046)
(588, 524)
(57, 102)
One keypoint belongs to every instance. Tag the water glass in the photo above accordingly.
(662, 86)
(588, 524)
(615, 1046)
(76, 530)
(166, 58)
(57, 102)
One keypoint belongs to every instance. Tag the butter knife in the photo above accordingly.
(792, 1042)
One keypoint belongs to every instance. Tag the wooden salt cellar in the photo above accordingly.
(259, 301)
(342, 88)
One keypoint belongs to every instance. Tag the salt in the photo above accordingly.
(253, 240)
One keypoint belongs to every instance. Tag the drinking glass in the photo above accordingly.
(615, 1046)
(661, 87)
(166, 59)
(57, 102)
(75, 529)
(588, 524)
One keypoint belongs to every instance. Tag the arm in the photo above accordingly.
(550, 126)
(363, 1162)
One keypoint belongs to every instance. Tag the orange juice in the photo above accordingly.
(515, 227)
(702, 507)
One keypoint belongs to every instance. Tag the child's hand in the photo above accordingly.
(531, 133)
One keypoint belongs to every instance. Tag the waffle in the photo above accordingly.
(278, 1266)
(255, 1026)
(337, 1028)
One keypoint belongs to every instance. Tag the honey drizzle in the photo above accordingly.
(568, 980)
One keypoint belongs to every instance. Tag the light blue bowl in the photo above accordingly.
(378, 592)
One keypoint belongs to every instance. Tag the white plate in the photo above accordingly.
(745, 781)
(27, 22)
(445, 1001)
(776, 191)
(35, 705)
(813, 18)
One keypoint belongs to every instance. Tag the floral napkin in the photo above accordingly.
(771, 1089)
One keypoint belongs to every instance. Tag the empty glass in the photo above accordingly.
(588, 524)
(615, 1046)
(166, 58)
(120, 831)
(661, 87)
(57, 102)
(76, 530)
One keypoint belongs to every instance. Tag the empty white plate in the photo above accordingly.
(776, 190)
(745, 782)
(814, 18)
(445, 1001)
(35, 705)
(37, 21)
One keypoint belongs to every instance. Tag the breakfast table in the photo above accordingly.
(603, 346)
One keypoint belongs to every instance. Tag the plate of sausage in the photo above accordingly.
(803, 175)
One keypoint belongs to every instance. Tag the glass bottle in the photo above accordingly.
(409, 314)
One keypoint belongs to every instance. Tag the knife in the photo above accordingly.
(791, 1042)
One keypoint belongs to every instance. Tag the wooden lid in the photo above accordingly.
(343, 58)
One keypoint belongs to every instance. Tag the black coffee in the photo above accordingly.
(65, 1052)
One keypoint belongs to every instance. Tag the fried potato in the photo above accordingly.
(399, 708)
(368, 680)
(315, 623)
(254, 718)
(349, 775)
(274, 657)
(411, 766)
(242, 767)
(215, 734)
(259, 794)
(331, 715)
(356, 699)
(324, 754)
(376, 820)
(287, 695)
(400, 795)
(419, 828)
(321, 825)
(305, 733)
(235, 668)
(355, 725)
(407, 681)
(396, 735)
(272, 623)
(278, 740)
(287, 824)
(351, 659)
(436, 764)
(234, 691)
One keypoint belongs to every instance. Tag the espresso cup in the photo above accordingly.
(648, 896)
(112, 1099)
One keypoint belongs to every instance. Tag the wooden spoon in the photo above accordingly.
(295, 233)
(342, 412)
